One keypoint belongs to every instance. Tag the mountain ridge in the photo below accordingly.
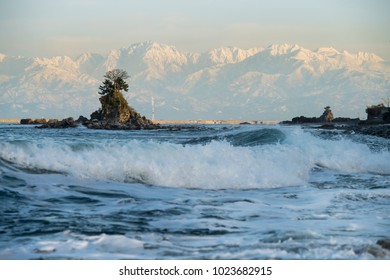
(276, 82)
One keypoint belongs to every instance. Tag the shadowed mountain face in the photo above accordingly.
(278, 82)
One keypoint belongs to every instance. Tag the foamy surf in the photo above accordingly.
(217, 163)
(214, 192)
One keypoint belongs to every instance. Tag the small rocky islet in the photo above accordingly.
(114, 114)
(376, 124)
(98, 120)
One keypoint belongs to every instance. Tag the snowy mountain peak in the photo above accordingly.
(149, 47)
(369, 57)
(280, 49)
(141, 47)
(64, 62)
(163, 54)
(278, 82)
(112, 60)
(330, 51)
(230, 55)
(360, 59)
(86, 57)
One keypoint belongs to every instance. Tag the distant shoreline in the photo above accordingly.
(380, 130)
(185, 121)
(9, 120)
(215, 122)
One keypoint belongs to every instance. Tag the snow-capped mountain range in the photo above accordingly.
(277, 82)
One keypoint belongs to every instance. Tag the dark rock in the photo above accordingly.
(303, 119)
(386, 117)
(93, 124)
(129, 125)
(26, 121)
(327, 115)
(327, 126)
(379, 130)
(116, 114)
(82, 120)
(65, 123)
(115, 107)
(378, 114)
(40, 121)
(346, 120)
(381, 249)
(97, 115)
(34, 121)
(378, 252)
(375, 130)
(384, 243)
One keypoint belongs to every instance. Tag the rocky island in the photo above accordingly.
(376, 124)
(115, 113)
(326, 118)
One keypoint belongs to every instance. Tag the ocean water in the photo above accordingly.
(205, 192)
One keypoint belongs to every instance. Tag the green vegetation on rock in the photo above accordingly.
(115, 112)
(115, 107)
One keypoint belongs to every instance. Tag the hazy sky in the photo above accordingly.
(71, 27)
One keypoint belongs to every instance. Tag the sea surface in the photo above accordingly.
(202, 192)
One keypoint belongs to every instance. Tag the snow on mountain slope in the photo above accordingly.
(277, 82)
(91, 63)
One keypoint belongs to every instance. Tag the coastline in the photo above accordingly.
(378, 130)
(9, 120)
(216, 122)
(180, 121)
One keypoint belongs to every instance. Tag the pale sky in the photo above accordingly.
(71, 27)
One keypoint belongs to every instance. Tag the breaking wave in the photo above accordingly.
(260, 158)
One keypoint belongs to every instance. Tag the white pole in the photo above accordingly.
(152, 108)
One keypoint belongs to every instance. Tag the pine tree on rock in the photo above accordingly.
(116, 112)
(114, 106)
(115, 81)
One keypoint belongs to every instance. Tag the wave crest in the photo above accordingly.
(216, 164)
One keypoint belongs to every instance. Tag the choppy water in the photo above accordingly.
(215, 192)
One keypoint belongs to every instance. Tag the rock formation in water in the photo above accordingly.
(378, 114)
(65, 123)
(37, 121)
(326, 117)
(115, 112)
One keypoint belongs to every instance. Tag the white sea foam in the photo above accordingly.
(342, 155)
(65, 244)
(329, 205)
(217, 164)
